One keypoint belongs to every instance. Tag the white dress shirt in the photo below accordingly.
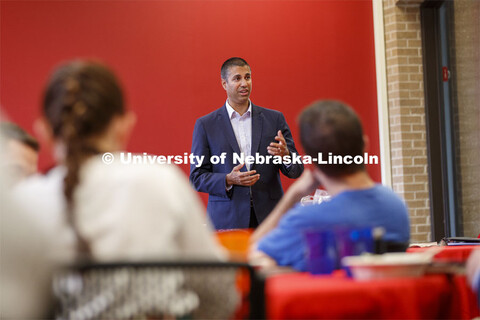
(242, 127)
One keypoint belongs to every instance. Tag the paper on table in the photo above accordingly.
(423, 244)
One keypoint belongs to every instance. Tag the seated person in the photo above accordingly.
(328, 127)
(473, 272)
(19, 155)
(104, 211)
(25, 267)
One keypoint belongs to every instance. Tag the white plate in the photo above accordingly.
(388, 265)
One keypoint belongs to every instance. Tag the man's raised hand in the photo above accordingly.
(280, 148)
(247, 178)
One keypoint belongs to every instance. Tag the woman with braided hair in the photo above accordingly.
(109, 212)
(117, 211)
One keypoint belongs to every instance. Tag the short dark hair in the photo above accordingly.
(235, 61)
(9, 130)
(330, 126)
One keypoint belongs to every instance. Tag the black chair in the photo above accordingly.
(382, 246)
(182, 290)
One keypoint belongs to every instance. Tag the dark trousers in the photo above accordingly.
(253, 219)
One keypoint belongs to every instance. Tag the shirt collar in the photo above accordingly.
(232, 111)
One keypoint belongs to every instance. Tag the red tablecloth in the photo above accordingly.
(302, 296)
(450, 253)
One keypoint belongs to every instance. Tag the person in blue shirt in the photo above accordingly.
(328, 128)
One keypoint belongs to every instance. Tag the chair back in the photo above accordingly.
(197, 290)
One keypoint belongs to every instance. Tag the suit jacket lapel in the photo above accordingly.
(257, 121)
(228, 130)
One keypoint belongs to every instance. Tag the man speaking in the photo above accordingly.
(241, 195)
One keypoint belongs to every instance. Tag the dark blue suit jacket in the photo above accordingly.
(213, 135)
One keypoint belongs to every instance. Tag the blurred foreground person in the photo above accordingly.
(473, 272)
(19, 152)
(328, 127)
(104, 210)
(25, 266)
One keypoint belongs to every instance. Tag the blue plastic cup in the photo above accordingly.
(324, 249)
(354, 241)
(321, 251)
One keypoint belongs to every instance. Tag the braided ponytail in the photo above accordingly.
(80, 101)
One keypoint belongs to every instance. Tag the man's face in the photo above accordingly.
(19, 160)
(238, 85)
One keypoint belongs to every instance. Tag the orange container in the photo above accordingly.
(236, 241)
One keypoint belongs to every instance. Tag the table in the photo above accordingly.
(303, 296)
(450, 253)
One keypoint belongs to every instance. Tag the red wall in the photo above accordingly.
(168, 55)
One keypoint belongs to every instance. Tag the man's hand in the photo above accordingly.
(248, 178)
(260, 259)
(280, 148)
(302, 187)
(306, 184)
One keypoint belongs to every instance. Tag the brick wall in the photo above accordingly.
(406, 106)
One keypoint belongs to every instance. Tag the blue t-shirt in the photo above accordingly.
(374, 207)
